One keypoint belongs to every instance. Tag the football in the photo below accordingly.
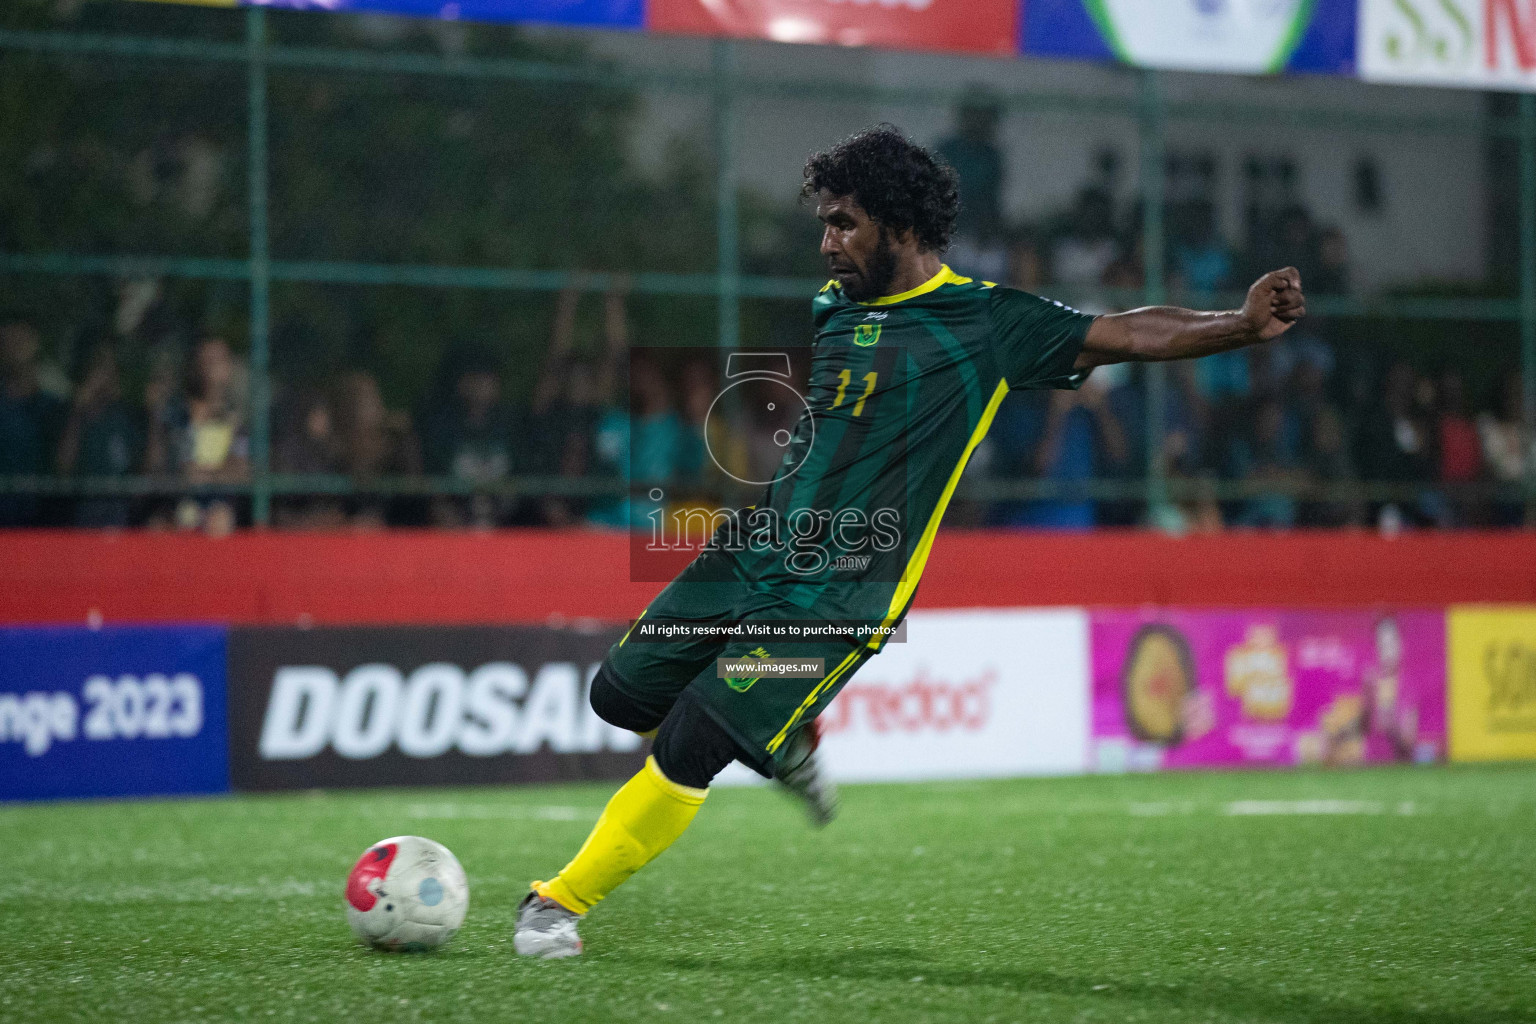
(406, 894)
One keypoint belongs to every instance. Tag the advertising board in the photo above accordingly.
(115, 711)
(1182, 689)
(970, 694)
(419, 706)
(1493, 683)
(1478, 44)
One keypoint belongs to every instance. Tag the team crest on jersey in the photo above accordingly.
(866, 334)
(741, 684)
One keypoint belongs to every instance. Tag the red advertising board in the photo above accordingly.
(971, 26)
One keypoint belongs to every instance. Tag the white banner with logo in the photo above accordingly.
(1243, 38)
(971, 694)
(1480, 44)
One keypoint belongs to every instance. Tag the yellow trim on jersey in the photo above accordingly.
(943, 277)
(632, 626)
(919, 559)
(805, 705)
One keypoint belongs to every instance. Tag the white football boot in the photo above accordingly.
(545, 929)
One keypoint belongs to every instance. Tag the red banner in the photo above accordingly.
(971, 26)
(539, 576)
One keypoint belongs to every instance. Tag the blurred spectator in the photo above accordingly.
(1180, 441)
(1027, 268)
(104, 437)
(1318, 427)
(1461, 458)
(306, 445)
(1459, 449)
(639, 445)
(372, 441)
(1263, 453)
(1502, 433)
(468, 435)
(1327, 463)
(713, 457)
(30, 422)
(1088, 245)
(1202, 262)
(1293, 242)
(656, 434)
(1195, 510)
(1127, 271)
(569, 400)
(1397, 444)
(610, 460)
(1078, 436)
(1331, 276)
(201, 434)
(1223, 376)
(769, 427)
(979, 247)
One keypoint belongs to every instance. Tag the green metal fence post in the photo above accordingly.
(1149, 121)
(260, 269)
(727, 228)
(1528, 294)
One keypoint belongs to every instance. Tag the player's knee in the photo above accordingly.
(691, 748)
(616, 707)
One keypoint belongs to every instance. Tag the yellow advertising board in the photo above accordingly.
(1492, 653)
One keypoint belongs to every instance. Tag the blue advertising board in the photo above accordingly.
(115, 711)
(1316, 36)
(589, 13)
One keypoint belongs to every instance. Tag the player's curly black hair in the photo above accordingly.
(897, 182)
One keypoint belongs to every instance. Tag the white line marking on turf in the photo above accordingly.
(1263, 807)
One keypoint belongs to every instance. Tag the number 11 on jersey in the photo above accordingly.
(846, 377)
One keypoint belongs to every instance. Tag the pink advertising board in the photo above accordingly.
(1194, 689)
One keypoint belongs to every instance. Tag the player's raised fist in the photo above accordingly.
(1274, 303)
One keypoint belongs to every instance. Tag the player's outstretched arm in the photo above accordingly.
(1274, 303)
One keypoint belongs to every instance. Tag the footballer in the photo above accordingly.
(910, 363)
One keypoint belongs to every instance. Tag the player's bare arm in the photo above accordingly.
(1155, 333)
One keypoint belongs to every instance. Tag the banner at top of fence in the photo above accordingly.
(1237, 36)
(1478, 44)
(610, 13)
(1488, 44)
(973, 26)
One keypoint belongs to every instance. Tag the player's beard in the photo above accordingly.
(876, 277)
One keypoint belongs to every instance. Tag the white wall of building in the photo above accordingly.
(1430, 227)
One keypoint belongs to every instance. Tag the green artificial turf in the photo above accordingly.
(1403, 895)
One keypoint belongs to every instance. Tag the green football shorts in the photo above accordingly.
(760, 712)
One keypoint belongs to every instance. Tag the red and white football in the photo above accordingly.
(407, 894)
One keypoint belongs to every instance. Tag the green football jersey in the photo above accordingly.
(901, 391)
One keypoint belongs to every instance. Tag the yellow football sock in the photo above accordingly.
(644, 817)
